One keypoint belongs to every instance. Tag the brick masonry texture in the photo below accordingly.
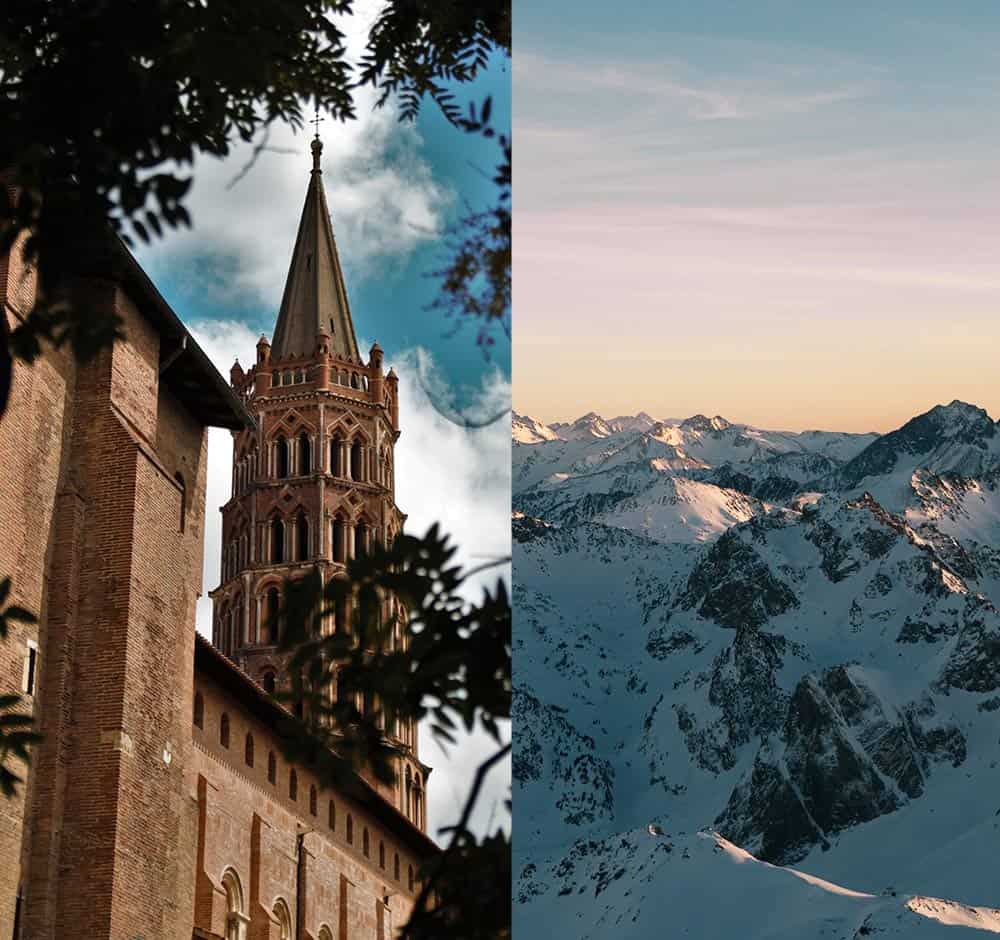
(132, 817)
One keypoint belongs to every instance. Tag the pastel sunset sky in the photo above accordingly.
(784, 213)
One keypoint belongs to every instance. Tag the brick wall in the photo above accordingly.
(251, 826)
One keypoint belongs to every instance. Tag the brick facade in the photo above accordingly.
(136, 822)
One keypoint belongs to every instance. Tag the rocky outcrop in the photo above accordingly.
(734, 587)
(846, 757)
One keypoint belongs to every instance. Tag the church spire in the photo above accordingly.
(315, 299)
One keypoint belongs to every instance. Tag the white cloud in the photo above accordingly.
(446, 473)
(382, 195)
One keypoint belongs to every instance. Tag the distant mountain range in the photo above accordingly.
(786, 642)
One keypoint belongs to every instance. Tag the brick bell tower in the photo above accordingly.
(313, 482)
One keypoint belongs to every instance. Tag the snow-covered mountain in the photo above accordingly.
(775, 649)
(528, 430)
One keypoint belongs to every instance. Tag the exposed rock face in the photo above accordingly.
(925, 436)
(847, 757)
(830, 664)
(548, 747)
(733, 586)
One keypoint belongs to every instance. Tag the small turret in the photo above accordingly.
(393, 380)
(263, 349)
(236, 375)
(321, 374)
(263, 380)
(375, 373)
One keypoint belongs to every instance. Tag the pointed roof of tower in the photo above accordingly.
(315, 299)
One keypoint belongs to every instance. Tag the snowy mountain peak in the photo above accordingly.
(588, 426)
(702, 423)
(958, 437)
(639, 422)
(528, 430)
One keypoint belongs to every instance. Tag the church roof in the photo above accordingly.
(208, 661)
(315, 299)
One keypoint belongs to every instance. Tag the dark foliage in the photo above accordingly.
(105, 106)
(451, 665)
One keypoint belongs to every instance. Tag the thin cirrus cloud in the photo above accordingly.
(785, 234)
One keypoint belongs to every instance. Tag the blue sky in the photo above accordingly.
(781, 212)
(394, 191)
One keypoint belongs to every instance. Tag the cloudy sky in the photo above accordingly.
(394, 191)
(784, 213)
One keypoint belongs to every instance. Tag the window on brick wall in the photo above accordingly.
(302, 537)
(272, 768)
(350, 830)
(312, 800)
(409, 877)
(29, 679)
(180, 482)
(224, 730)
(284, 920)
(365, 845)
(331, 819)
(381, 854)
(293, 785)
(277, 542)
(395, 866)
(249, 750)
(281, 458)
(199, 710)
(305, 454)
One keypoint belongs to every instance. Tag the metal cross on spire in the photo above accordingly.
(317, 144)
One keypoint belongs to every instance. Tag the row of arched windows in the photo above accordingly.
(293, 790)
(290, 377)
(349, 459)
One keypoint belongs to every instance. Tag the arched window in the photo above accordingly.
(224, 730)
(293, 785)
(395, 866)
(312, 800)
(339, 534)
(350, 830)
(283, 919)
(180, 483)
(336, 446)
(356, 462)
(234, 905)
(365, 846)
(381, 854)
(277, 541)
(302, 537)
(305, 454)
(248, 750)
(272, 607)
(281, 458)
(272, 768)
(286, 377)
(268, 682)
(331, 816)
(354, 380)
(325, 933)
(409, 877)
(199, 710)
(361, 536)
(342, 622)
